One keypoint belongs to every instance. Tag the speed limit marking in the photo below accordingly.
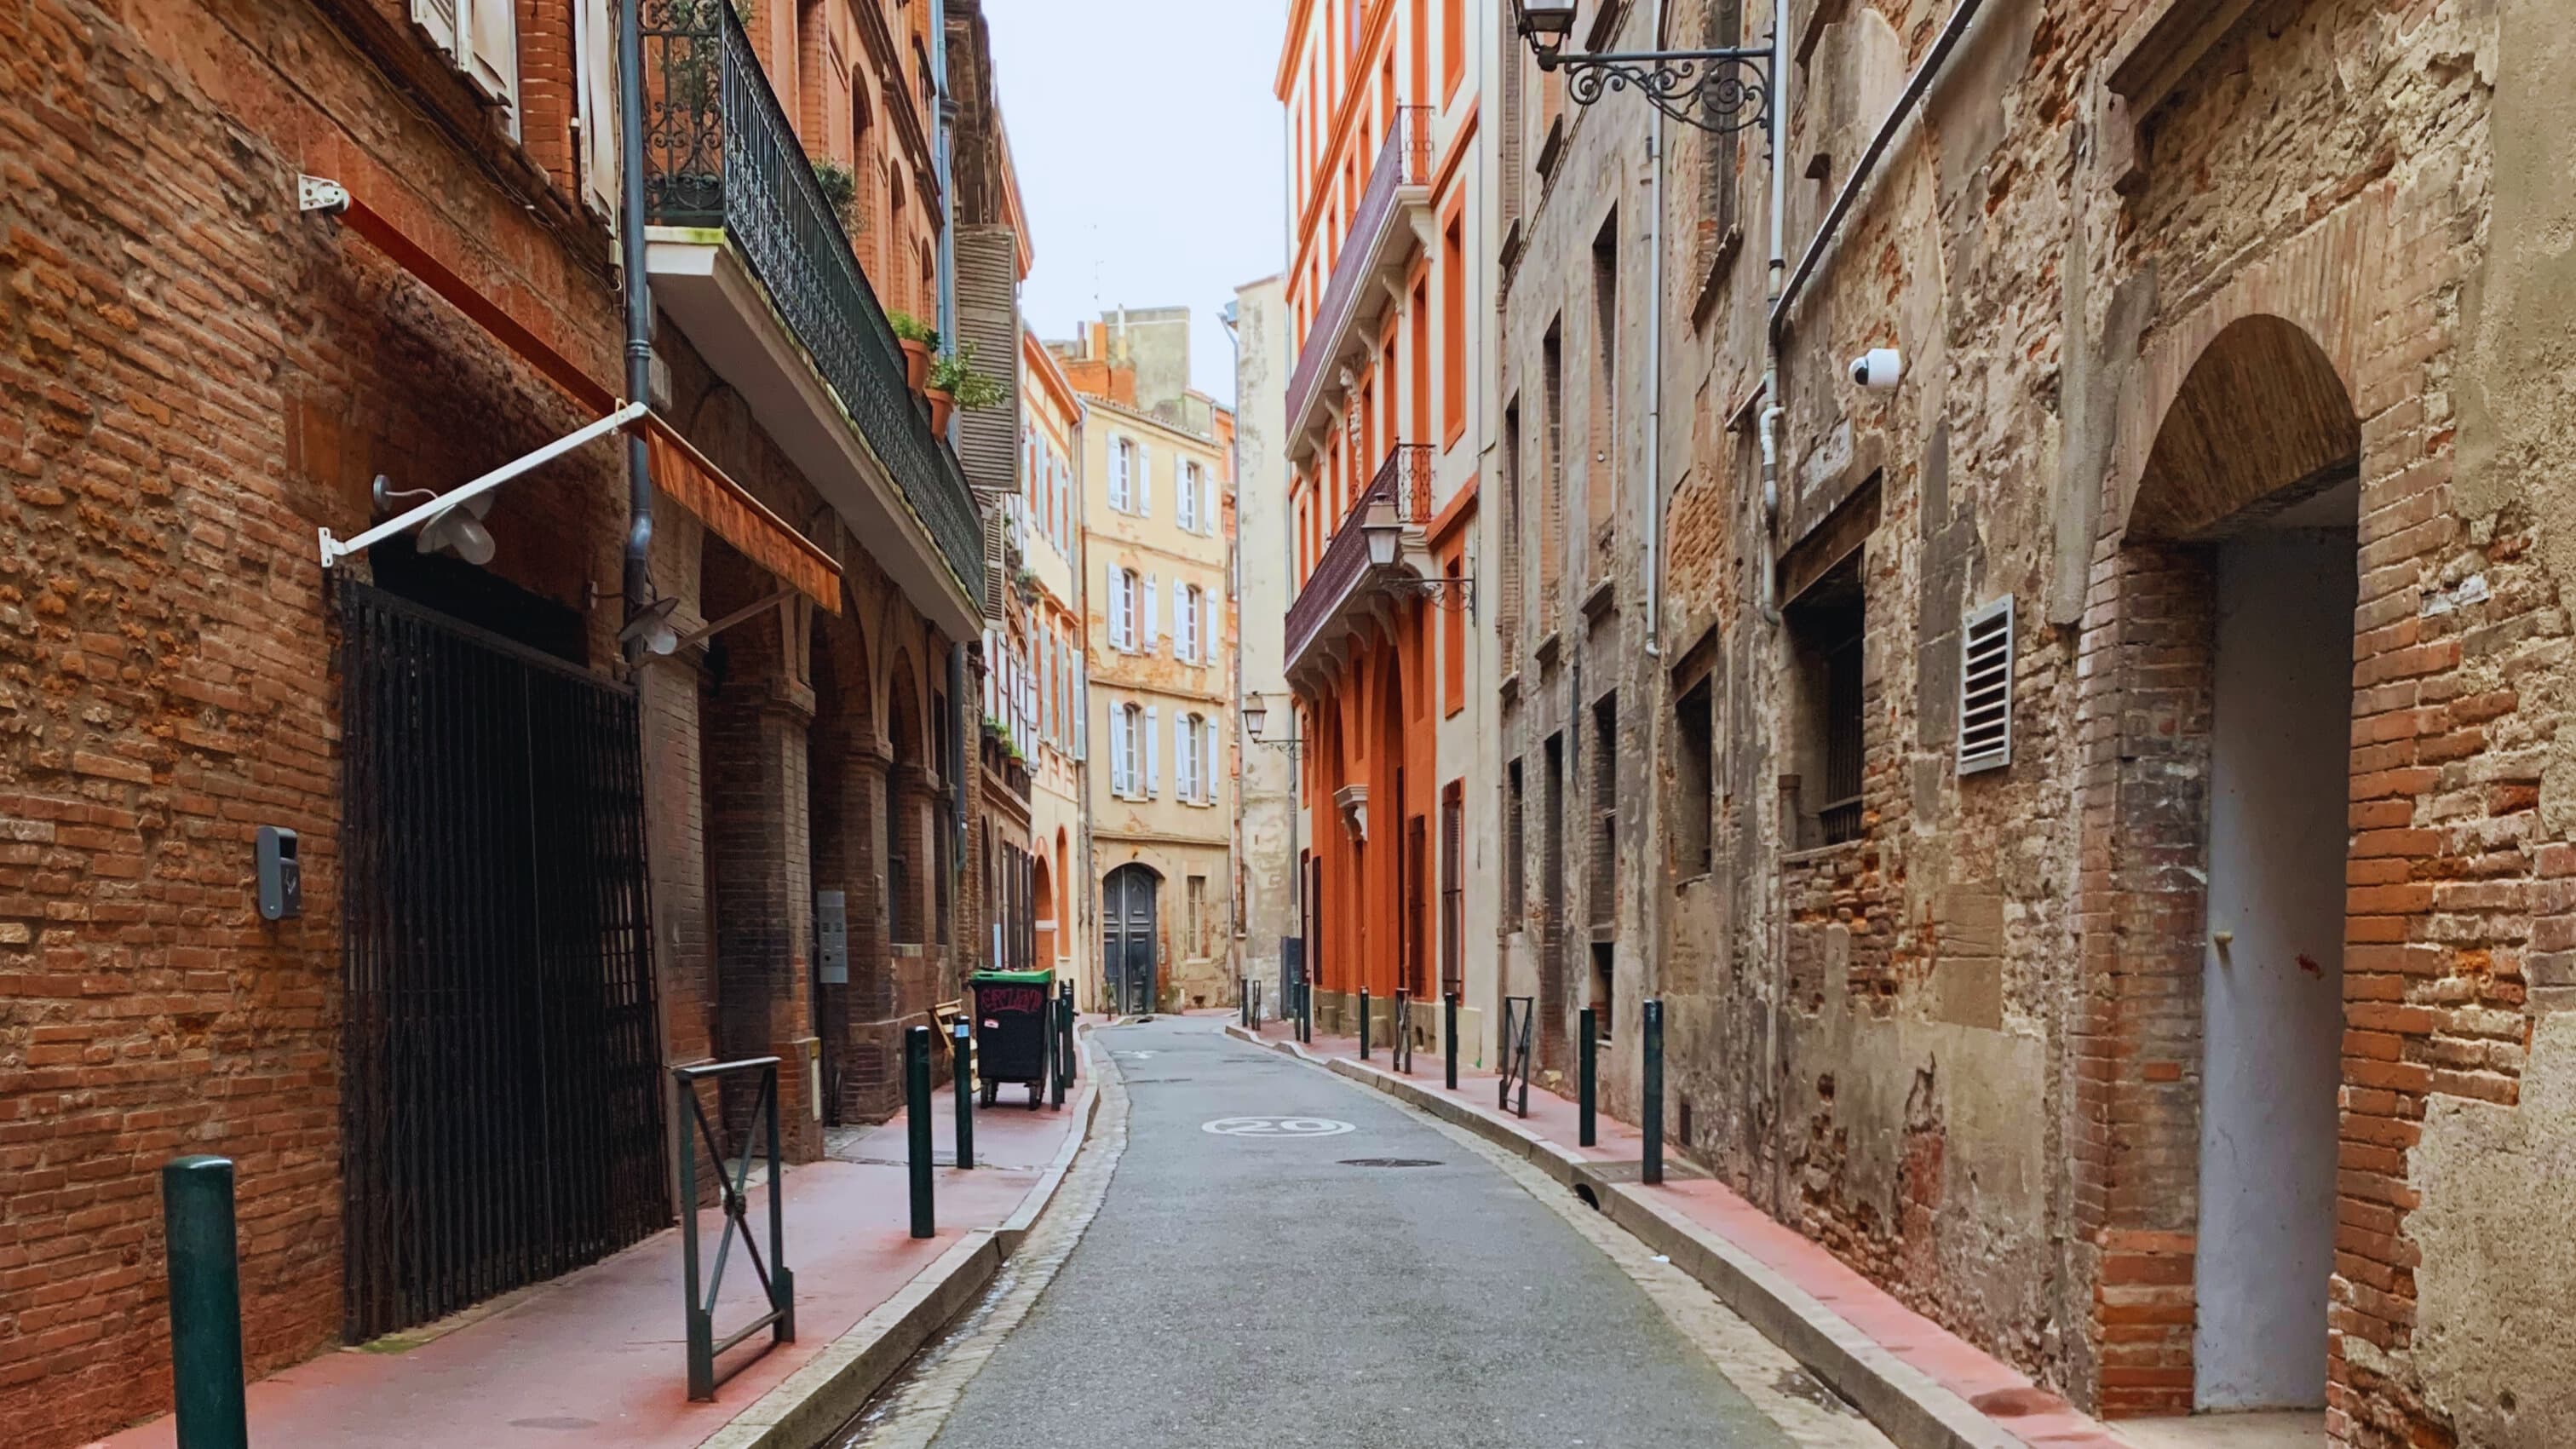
(1276, 1127)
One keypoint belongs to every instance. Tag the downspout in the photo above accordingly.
(943, 149)
(639, 306)
(1655, 367)
(957, 707)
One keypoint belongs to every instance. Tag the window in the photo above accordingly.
(1122, 475)
(1507, 615)
(481, 38)
(1185, 624)
(1122, 608)
(1187, 496)
(1825, 632)
(1515, 836)
(1453, 638)
(1185, 758)
(1453, 886)
(1453, 47)
(1551, 520)
(1723, 154)
(1127, 744)
(1605, 813)
(1601, 484)
(1417, 427)
(1453, 329)
(1985, 687)
(1694, 793)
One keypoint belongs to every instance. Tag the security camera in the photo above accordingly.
(1880, 368)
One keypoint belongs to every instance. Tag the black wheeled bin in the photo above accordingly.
(1013, 1011)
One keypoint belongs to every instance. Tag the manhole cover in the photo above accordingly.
(1276, 1127)
(1388, 1162)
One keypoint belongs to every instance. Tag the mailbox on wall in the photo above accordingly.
(281, 875)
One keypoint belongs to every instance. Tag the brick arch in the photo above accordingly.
(2315, 282)
(2261, 417)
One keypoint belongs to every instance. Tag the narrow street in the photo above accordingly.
(1356, 1275)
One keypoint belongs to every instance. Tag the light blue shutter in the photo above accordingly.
(1144, 481)
(1117, 749)
(1208, 517)
(1153, 758)
(1153, 614)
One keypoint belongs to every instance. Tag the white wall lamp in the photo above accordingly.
(453, 520)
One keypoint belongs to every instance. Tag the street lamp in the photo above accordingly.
(1255, 714)
(1727, 89)
(1384, 532)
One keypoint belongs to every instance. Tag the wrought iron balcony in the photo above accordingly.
(720, 154)
(1343, 576)
(1393, 217)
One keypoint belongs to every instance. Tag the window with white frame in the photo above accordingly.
(1188, 496)
(1122, 607)
(1185, 624)
(1122, 474)
(1185, 758)
(1127, 742)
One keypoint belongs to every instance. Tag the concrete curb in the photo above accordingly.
(839, 1381)
(1906, 1404)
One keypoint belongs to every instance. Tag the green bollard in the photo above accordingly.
(1587, 1073)
(965, 1093)
(1650, 1110)
(205, 1303)
(916, 1102)
(1449, 1037)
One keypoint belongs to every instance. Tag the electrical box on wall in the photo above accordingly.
(832, 938)
(281, 875)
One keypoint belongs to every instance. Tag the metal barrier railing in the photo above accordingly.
(1520, 1013)
(777, 1285)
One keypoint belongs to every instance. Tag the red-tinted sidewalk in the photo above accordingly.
(2014, 1409)
(595, 1358)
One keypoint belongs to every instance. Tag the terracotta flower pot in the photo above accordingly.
(941, 405)
(916, 364)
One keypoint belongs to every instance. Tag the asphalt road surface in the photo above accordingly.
(1293, 1284)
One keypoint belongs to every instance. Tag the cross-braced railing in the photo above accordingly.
(777, 1285)
(1519, 1013)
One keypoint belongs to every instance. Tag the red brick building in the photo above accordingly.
(535, 874)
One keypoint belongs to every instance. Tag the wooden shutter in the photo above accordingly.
(595, 42)
(1153, 756)
(1144, 481)
(491, 56)
(988, 325)
(1153, 613)
(437, 20)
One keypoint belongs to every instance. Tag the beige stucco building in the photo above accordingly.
(1157, 556)
(1049, 579)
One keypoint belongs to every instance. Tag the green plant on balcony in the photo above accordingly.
(956, 375)
(909, 328)
(840, 190)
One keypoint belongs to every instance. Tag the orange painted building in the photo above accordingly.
(1382, 420)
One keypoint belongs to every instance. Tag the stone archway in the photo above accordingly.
(2211, 908)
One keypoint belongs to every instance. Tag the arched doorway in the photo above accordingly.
(1130, 932)
(1042, 901)
(2237, 583)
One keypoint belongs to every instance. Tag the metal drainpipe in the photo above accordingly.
(1655, 366)
(957, 788)
(638, 579)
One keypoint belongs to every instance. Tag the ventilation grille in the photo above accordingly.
(1986, 687)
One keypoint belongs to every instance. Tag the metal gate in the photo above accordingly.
(1128, 938)
(501, 1094)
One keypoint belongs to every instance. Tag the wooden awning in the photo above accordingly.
(681, 472)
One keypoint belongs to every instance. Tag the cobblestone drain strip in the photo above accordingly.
(913, 1414)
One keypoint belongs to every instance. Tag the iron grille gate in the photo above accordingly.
(501, 1093)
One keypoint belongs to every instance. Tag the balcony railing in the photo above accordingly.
(1403, 479)
(719, 152)
(1405, 160)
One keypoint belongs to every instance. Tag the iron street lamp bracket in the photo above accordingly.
(1721, 91)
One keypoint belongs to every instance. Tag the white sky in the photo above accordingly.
(1150, 157)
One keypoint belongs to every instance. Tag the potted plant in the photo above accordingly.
(920, 342)
(955, 383)
(840, 189)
